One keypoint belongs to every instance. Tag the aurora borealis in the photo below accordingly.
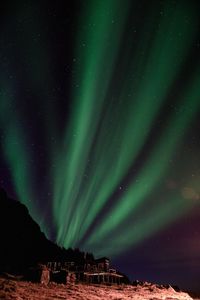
(99, 130)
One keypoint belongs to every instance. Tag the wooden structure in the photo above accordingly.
(90, 271)
(103, 277)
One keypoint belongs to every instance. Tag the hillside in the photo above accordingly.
(22, 242)
(24, 245)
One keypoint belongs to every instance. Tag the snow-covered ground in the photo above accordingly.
(20, 290)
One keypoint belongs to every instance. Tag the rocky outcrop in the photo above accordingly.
(152, 286)
(45, 276)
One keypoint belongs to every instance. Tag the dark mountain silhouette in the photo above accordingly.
(22, 244)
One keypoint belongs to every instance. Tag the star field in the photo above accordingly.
(99, 128)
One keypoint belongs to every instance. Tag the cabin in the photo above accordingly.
(103, 264)
(91, 271)
(99, 271)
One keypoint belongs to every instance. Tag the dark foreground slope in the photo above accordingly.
(22, 243)
(12, 289)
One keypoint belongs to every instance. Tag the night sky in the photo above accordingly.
(100, 131)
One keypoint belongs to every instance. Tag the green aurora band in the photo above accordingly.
(148, 177)
(14, 148)
(94, 58)
(118, 142)
(119, 89)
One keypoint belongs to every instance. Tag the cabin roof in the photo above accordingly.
(102, 259)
